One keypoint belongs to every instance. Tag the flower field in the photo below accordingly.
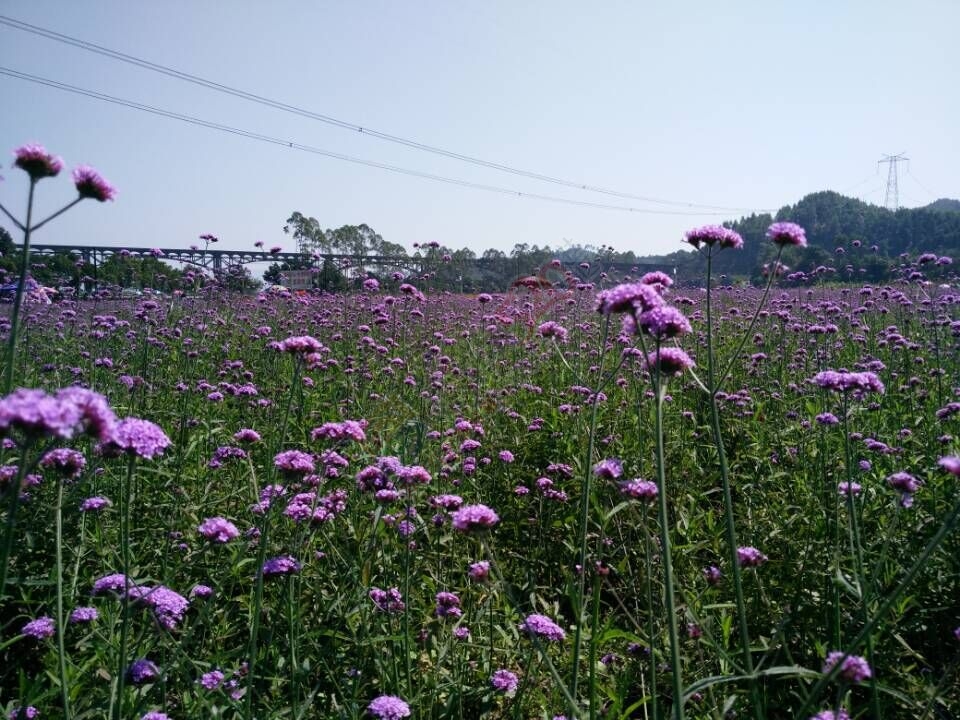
(627, 500)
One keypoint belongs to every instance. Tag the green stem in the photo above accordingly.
(62, 664)
(262, 554)
(664, 518)
(18, 298)
(116, 702)
(651, 625)
(586, 489)
(731, 530)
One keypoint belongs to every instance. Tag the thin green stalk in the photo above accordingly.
(292, 632)
(594, 628)
(728, 499)
(9, 527)
(262, 555)
(863, 582)
(651, 626)
(586, 489)
(18, 298)
(116, 701)
(61, 652)
(664, 519)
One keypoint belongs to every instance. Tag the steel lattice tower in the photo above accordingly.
(892, 200)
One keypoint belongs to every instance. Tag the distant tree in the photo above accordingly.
(307, 233)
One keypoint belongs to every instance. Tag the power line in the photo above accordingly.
(327, 153)
(343, 124)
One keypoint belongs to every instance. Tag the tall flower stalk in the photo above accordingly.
(709, 239)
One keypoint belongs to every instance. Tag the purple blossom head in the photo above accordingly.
(218, 529)
(37, 162)
(669, 361)
(551, 329)
(504, 681)
(853, 668)
(142, 671)
(638, 489)
(95, 504)
(474, 518)
(660, 281)
(294, 462)
(543, 627)
(664, 321)
(82, 615)
(301, 344)
(42, 627)
(137, 437)
(710, 235)
(951, 464)
(201, 591)
(37, 414)
(787, 233)
(630, 297)
(388, 707)
(246, 435)
(211, 680)
(115, 583)
(66, 462)
(479, 571)
(750, 557)
(281, 565)
(90, 184)
(906, 484)
(608, 469)
(155, 715)
(830, 715)
(712, 575)
(23, 713)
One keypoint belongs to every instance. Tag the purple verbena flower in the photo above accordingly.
(218, 529)
(37, 162)
(471, 518)
(83, 615)
(504, 681)
(137, 437)
(281, 565)
(40, 628)
(90, 184)
(787, 233)
(854, 669)
(750, 557)
(542, 627)
(714, 235)
(388, 707)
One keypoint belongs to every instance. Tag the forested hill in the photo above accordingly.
(845, 231)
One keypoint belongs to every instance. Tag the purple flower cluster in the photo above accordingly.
(906, 484)
(168, 606)
(853, 668)
(142, 671)
(42, 627)
(630, 297)
(787, 233)
(714, 235)
(300, 345)
(71, 411)
(66, 462)
(471, 518)
(388, 601)
(218, 529)
(281, 565)
(551, 329)
(346, 430)
(294, 462)
(543, 627)
(669, 361)
(840, 381)
(750, 557)
(639, 489)
(388, 707)
(90, 184)
(137, 437)
(504, 681)
(37, 162)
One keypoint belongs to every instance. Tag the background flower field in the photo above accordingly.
(460, 402)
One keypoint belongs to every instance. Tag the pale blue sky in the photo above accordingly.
(738, 103)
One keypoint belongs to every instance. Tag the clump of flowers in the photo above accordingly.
(787, 233)
(853, 668)
(473, 518)
(711, 235)
(542, 627)
(750, 557)
(388, 707)
(218, 529)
